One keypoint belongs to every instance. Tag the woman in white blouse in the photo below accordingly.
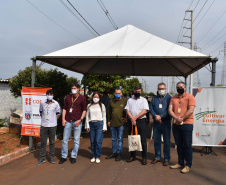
(96, 125)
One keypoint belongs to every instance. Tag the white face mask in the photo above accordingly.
(49, 97)
(74, 91)
(95, 100)
(161, 92)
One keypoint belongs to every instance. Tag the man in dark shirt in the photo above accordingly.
(162, 123)
(74, 111)
(116, 120)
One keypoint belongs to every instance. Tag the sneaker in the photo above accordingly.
(176, 166)
(93, 160)
(97, 160)
(40, 161)
(52, 161)
(186, 169)
(118, 157)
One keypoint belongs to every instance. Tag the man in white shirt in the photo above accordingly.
(49, 111)
(136, 109)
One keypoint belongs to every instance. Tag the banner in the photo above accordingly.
(31, 98)
(210, 117)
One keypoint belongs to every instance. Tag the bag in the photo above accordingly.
(134, 141)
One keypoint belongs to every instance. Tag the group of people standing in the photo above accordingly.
(166, 111)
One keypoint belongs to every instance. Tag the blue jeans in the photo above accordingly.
(67, 132)
(183, 139)
(164, 129)
(96, 137)
(117, 133)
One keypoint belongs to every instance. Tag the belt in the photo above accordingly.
(96, 120)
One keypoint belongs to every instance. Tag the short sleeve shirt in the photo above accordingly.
(135, 106)
(183, 103)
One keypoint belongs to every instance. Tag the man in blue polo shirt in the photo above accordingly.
(49, 112)
(162, 123)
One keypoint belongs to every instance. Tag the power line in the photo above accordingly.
(204, 15)
(189, 19)
(53, 21)
(107, 13)
(183, 22)
(216, 49)
(83, 18)
(211, 27)
(200, 10)
(77, 17)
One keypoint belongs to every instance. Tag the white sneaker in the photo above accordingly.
(97, 160)
(92, 160)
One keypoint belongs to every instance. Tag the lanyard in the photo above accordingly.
(160, 99)
(48, 106)
(73, 101)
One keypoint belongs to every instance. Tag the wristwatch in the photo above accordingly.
(81, 119)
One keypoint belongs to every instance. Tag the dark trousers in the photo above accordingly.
(142, 129)
(183, 139)
(46, 132)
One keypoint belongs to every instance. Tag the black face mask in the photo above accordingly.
(137, 95)
(180, 91)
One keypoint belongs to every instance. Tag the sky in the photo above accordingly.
(41, 27)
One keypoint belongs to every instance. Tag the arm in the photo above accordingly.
(141, 114)
(171, 113)
(151, 108)
(63, 117)
(104, 118)
(58, 111)
(188, 113)
(40, 109)
(87, 120)
(109, 114)
(84, 108)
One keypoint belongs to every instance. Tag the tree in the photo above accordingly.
(130, 84)
(103, 83)
(52, 78)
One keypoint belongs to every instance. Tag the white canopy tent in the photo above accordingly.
(128, 51)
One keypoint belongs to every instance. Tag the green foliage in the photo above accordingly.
(104, 83)
(52, 78)
(130, 84)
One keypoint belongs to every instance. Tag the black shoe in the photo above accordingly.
(111, 156)
(40, 161)
(73, 160)
(62, 160)
(144, 161)
(131, 159)
(118, 157)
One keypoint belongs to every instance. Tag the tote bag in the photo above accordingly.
(134, 141)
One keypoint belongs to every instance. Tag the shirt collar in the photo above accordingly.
(184, 95)
(53, 101)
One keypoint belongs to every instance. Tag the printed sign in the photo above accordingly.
(210, 117)
(31, 98)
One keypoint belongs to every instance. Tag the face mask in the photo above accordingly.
(74, 91)
(180, 91)
(117, 96)
(137, 95)
(95, 100)
(49, 97)
(161, 92)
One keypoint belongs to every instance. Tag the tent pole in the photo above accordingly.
(32, 85)
(85, 79)
(213, 81)
(185, 80)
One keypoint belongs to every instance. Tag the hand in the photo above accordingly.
(124, 120)
(63, 122)
(178, 120)
(77, 123)
(104, 130)
(88, 129)
(109, 123)
(158, 118)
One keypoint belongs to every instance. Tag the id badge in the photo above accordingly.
(160, 106)
(178, 110)
(47, 116)
(71, 109)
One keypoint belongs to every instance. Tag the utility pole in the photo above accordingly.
(223, 77)
(191, 45)
(173, 85)
(196, 79)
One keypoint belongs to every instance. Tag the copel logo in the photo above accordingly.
(35, 102)
(27, 116)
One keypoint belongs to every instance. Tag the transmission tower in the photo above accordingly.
(173, 86)
(223, 77)
(162, 79)
(196, 79)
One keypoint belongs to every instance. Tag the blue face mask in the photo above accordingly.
(117, 96)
